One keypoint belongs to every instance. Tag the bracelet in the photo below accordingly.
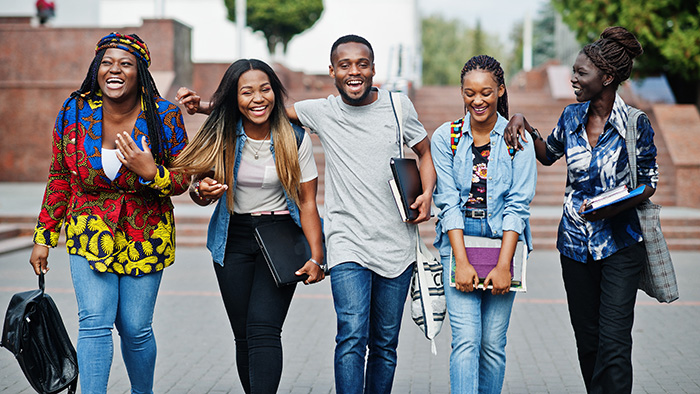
(535, 134)
(195, 188)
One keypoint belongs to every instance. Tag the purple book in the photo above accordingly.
(484, 259)
(483, 256)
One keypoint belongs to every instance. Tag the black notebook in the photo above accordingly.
(285, 248)
(407, 185)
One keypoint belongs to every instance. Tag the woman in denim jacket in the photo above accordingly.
(273, 177)
(482, 190)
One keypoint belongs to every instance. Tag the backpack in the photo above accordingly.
(456, 134)
(34, 332)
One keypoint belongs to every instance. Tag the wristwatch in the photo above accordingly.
(535, 134)
(322, 266)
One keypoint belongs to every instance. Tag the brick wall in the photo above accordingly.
(41, 66)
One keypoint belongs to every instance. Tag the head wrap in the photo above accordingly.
(130, 43)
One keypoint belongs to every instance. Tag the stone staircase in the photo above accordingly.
(436, 105)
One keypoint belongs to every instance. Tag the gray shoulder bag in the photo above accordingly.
(658, 278)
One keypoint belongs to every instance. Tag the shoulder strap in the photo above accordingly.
(456, 133)
(398, 115)
(631, 142)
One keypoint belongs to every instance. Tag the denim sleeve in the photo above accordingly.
(446, 195)
(647, 168)
(522, 189)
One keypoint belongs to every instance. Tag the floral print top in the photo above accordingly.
(480, 161)
(124, 226)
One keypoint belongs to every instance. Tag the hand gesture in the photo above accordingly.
(191, 101)
(210, 189)
(499, 278)
(315, 272)
(466, 278)
(515, 128)
(39, 259)
(422, 204)
(139, 161)
(600, 213)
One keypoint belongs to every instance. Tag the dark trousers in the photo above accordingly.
(255, 306)
(601, 296)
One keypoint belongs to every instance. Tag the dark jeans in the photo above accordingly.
(601, 296)
(255, 306)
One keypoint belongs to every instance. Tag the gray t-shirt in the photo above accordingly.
(361, 222)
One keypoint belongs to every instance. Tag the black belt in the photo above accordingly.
(475, 213)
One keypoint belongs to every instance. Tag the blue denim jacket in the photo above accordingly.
(510, 184)
(217, 234)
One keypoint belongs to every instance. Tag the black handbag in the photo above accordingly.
(34, 332)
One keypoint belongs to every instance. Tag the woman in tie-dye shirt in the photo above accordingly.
(601, 252)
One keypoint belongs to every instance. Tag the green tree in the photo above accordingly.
(669, 31)
(448, 44)
(279, 20)
(543, 47)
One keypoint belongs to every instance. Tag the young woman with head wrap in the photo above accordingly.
(108, 181)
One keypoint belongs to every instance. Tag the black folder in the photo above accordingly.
(408, 183)
(285, 248)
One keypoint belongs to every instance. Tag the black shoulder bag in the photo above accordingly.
(34, 332)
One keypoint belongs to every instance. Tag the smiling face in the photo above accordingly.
(117, 75)
(587, 80)
(255, 97)
(480, 93)
(353, 70)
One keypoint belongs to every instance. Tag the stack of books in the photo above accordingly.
(610, 197)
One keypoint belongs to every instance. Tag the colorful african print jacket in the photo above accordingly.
(124, 226)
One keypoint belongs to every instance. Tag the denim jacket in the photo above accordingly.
(217, 234)
(510, 184)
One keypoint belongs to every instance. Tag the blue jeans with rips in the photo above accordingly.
(106, 300)
(479, 321)
(369, 308)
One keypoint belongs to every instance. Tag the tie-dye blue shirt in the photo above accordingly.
(591, 171)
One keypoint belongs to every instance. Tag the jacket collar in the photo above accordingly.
(617, 119)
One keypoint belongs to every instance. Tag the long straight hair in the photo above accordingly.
(214, 146)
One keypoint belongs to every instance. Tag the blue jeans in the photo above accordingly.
(479, 322)
(369, 308)
(105, 300)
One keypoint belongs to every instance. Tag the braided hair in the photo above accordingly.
(487, 63)
(90, 88)
(613, 53)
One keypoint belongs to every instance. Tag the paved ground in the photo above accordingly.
(196, 352)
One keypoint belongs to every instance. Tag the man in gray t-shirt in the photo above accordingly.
(369, 249)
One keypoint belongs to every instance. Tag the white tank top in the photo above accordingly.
(110, 163)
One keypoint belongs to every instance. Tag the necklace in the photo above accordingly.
(261, 145)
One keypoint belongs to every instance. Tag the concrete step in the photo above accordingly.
(9, 231)
(14, 244)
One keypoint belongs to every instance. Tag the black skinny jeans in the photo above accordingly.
(255, 306)
(601, 296)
